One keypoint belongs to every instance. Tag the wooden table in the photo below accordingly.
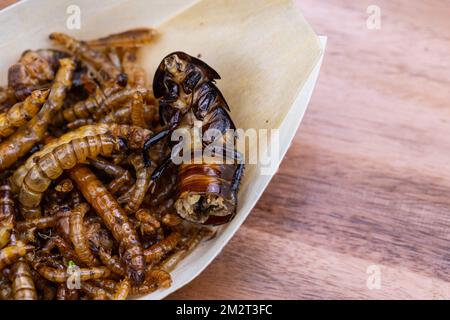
(364, 190)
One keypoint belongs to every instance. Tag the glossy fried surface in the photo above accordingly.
(81, 216)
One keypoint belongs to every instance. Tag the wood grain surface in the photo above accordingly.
(364, 190)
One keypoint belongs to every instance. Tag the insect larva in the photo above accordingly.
(171, 220)
(61, 275)
(122, 176)
(7, 205)
(64, 293)
(22, 283)
(122, 290)
(140, 188)
(107, 284)
(64, 249)
(170, 263)
(5, 289)
(112, 263)
(156, 252)
(21, 112)
(130, 38)
(12, 253)
(108, 70)
(41, 223)
(79, 241)
(19, 143)
(137, 111)
(95, 292)
(64, 186)
(5, 233)
(154, 279)
(45, 288)
(114, 218)
(134, 136)
(51, 166)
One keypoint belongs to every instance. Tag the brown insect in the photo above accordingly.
(96, 293)
(64, 293)
(122, 290)
(190, 244)
(122, 176)
(18, 144)
(21, 112)
(12, 253)
(130, 38)
(61, 275)
(79, 241)
(107, 70)
(156, 252)
(22, 282)
(183, 85)
(136, 194)
(112, 263)
(114, 218)
(34, 70)
(35, 176)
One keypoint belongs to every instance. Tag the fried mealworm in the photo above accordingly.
(79, 241)
(114, 218)
(19, 143)
(21, 112)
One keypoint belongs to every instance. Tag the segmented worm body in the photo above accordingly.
(18, 144)
(22, 283)
(79, 241)
(12, 253)
(21, 112)
(114, 218)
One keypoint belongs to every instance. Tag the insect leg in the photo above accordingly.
(160, 169)
(151, 142)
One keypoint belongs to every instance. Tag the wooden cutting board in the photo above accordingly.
(360, 205)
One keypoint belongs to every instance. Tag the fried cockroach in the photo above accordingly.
(183, 85)
(79, 241)
(22, 282)
(21, 112)
(18, 144)
(114, 218)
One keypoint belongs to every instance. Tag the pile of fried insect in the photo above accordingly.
(91, 205)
